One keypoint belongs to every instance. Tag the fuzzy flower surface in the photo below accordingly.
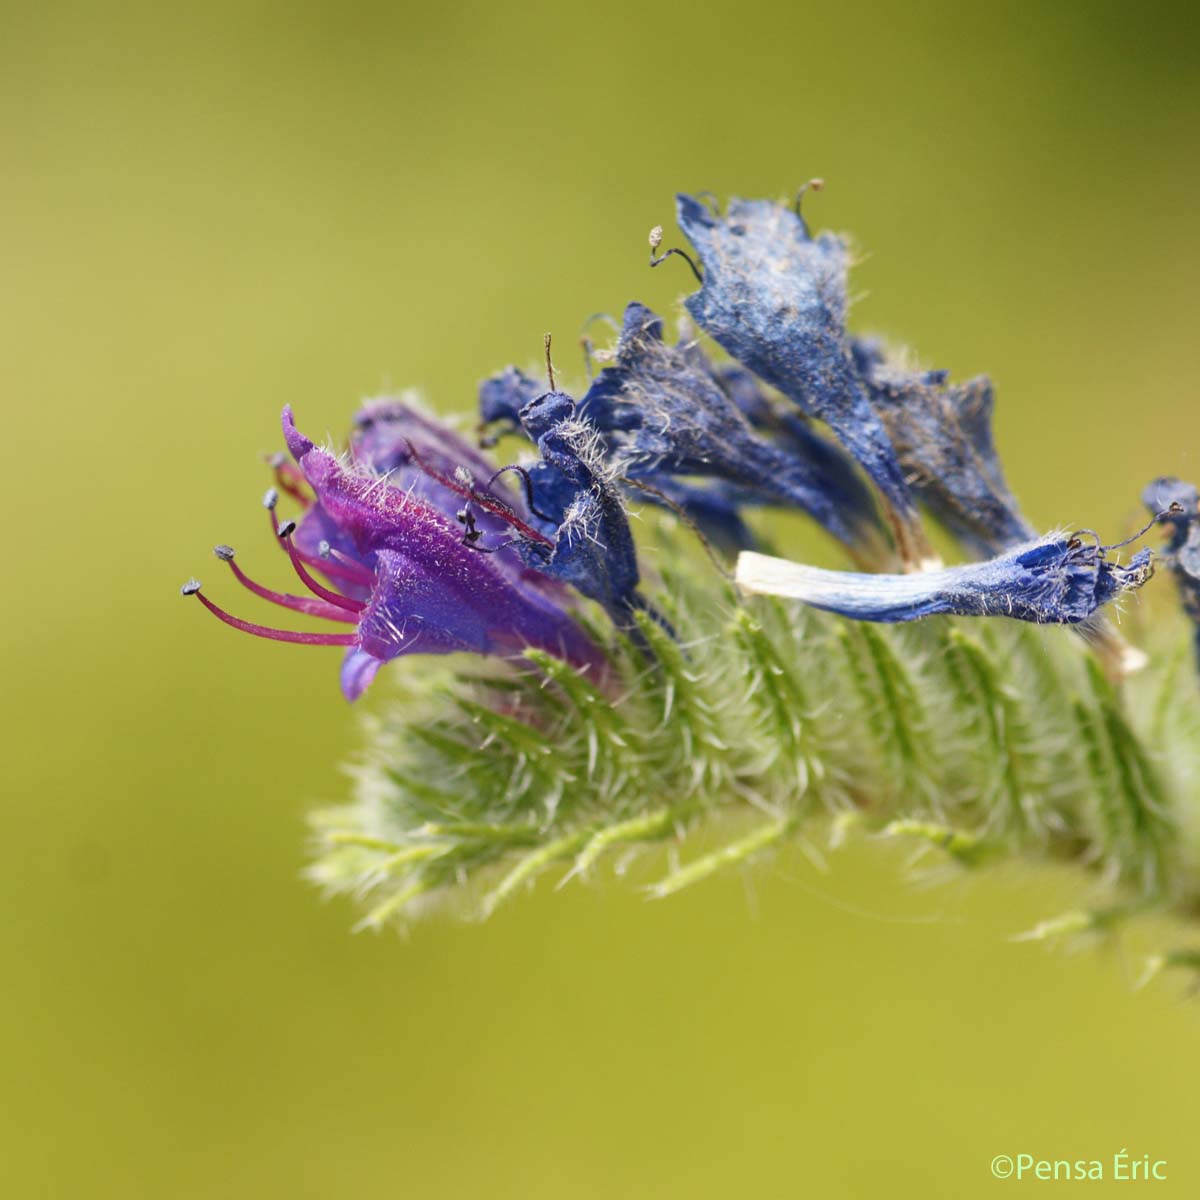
(713, 505)
(665, 415)
(774, 297)
(578, 502)
(942, 434)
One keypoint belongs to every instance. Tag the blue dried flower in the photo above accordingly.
(1176, 506)
(577, 501)
(665, 414)
(1057, 580)
(503, 395)
(774, 297)
(942, 434)
(714, 508)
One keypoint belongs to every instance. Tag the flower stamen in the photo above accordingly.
(284, 533)
(192, 588)
(301, 604)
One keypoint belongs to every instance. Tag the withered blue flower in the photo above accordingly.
(774, 297)
(577, 500)
(942, 434)
(503, 395)
(1176, 506)
(1057, 580)
(399, 569)
(713, 507)
(665, 415)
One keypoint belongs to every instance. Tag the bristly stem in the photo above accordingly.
(762, 722)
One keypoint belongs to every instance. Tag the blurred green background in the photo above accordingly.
(209, 211)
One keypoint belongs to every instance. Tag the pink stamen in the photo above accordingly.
(275, 635)
(301, 604)
(345, 568)
(336, 598)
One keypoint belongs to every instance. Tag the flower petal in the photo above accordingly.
(942, 433)
(665, 414)
(575, 492)
(775, 298)
(502, 396)
(358, 672)
(1056, 580)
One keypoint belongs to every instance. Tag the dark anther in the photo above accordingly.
(1079, 533)
(656, 237)
(471, 532)
(1145, 528)
(190, 588)
(224, 553)
(813, 185)
(287, 529)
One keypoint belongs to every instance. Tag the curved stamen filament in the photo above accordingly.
(343, 568)
(302, 604)
(317, 589)
(275, 635)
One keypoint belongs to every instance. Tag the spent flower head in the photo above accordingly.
(666, 415)
(774, 297)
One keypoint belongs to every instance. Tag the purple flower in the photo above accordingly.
(1057, 580)
(774, 297)
(400, 571)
